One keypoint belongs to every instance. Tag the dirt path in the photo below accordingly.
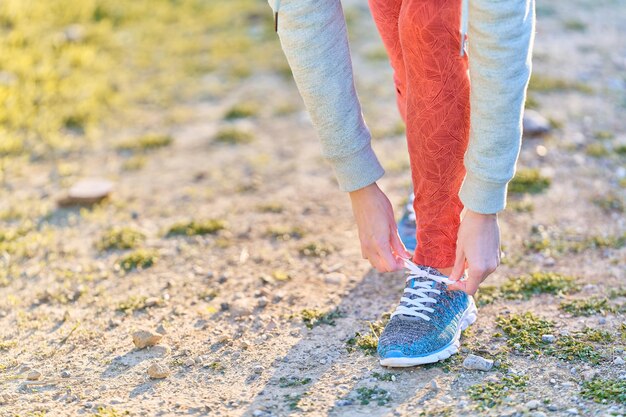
(233, 302)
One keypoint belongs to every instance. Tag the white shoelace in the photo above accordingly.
(416, 305)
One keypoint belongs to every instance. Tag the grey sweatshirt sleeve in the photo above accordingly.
(314, 38)
(501, 35)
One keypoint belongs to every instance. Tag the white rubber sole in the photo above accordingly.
(469, 317)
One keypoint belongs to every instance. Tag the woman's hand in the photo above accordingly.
(378, 233)
(478, 242)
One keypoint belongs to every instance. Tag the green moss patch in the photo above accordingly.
(292, 381)
(528, 180)
(120, 238)
(526, 286)
(605, 390)
(242, 110)
(379, 396)
(316, 250)
(590, 306)
(285, 232)
(193, 227)
(146, 142)
(524, 332)
(541, 83)
(368, 342)
(233, 136)
(139, 259)
(492, 393)
(312, 318)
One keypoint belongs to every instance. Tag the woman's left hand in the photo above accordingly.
(478, 243)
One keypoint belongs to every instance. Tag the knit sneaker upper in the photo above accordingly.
(427, 317)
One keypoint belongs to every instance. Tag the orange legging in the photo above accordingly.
(422, 38)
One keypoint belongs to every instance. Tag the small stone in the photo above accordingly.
(158, 371)
(433, 385)
(144, 338)
(65, 374)
(262, 301)
(548, 338)
(258, 369)
(535, 124)
(618, 361)
(590, 374)
(161, 329)
(572, 411)
(258, 413)
(190, 362)
(532, 404)
(161, 350)
(152, 301)
(552, 407)
(33, 375)
(538, 414)
(334, 278)
(240, 308)
(478, 363)
(87, 192)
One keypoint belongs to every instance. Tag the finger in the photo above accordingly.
(386, 257)
(474, 278)
(457, 286)
(398, 246)
(376, 262)
(459, 265)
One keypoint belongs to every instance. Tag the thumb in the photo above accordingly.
(459, 265)
(398, 246)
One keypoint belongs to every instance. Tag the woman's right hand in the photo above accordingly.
(378, 233)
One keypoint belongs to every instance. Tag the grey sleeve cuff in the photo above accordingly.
(357, 170)
(483, 196)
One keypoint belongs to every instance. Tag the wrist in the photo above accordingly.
(364, 191)
(482, 215)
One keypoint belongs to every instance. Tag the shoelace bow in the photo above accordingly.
(416, 306)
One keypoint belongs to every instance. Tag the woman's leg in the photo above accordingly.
(437, 118)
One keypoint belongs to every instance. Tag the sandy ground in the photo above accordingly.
(230, 303)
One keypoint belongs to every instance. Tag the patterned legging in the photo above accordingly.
(422, 38)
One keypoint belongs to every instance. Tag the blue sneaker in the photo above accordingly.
(426, 326)
(407, 227)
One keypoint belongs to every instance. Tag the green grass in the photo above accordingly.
(131, 304)
(110, 412)
(283, 232)
(528, 180)
(386, 376)
(575, 25)
(68, 70)
(596, 150)
(292, 381)
(368, 342)
(316, 250)
(312, 318)
(605, 390)
(590, 306)
(491, 394)
(146, 142)
(541, 83)
(526, 286)
(524, 331)
(7, 344)
(193, 228)
(139, 259)
(242, 110)
(366, 395)
(120, 238)
(610, 203)
(233, 136)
